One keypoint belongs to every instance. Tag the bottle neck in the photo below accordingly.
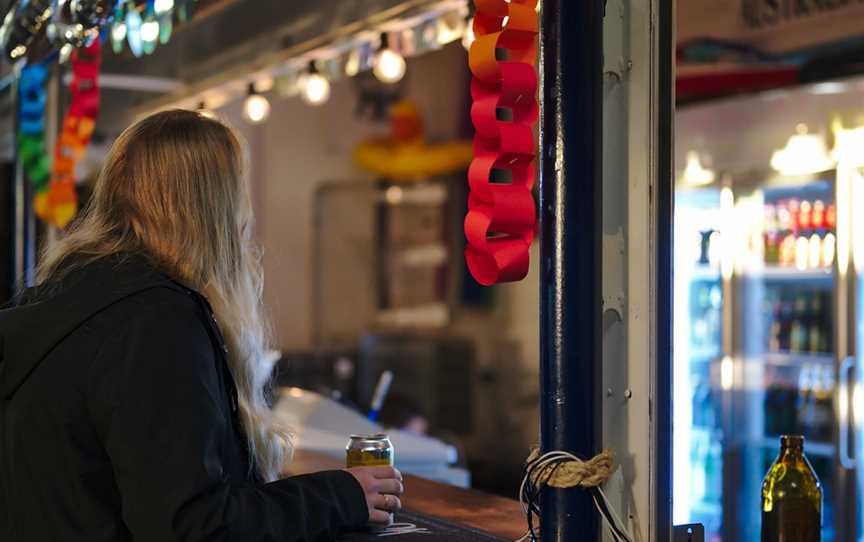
(792, 447)
(791, 451)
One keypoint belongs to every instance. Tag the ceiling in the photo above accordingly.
(228, 39)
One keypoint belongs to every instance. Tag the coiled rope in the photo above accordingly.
(564, 470)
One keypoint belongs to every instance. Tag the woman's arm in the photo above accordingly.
(162, 413)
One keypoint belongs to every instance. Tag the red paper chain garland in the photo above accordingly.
(501, 219)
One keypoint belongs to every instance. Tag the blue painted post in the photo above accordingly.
(571, 52)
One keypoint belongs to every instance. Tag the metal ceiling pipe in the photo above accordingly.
(571, 50)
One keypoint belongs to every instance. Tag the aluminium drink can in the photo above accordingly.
(369, 451)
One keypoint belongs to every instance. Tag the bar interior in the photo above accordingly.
(522, 239)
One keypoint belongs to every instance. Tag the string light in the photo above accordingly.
(316, 87)
(388, 66)
(133, 30)
(149, 31)
(352, 65)
(163, 6)
(256, 108)
(144, 29)
(118, 31)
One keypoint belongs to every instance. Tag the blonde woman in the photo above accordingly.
(131, 404)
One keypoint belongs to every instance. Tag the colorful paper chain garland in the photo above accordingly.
(58, 203)
(501, 216)
(31, 125)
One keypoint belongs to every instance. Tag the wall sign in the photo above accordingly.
(771, 25)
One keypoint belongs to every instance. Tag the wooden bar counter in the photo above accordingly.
(495, 515)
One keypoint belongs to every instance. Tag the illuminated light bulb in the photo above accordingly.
(256, 108)
(352, 65)
(65, 53)
(468, 37)
(133, 30)
(394, 195)
(149, 31)
(163, 6)
(694, 173)
(803, 154)
(316, 87)
(118, 31)
(389, 66)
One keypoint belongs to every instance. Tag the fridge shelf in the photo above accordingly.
(811, 447)
(797, 358)
(779, 273)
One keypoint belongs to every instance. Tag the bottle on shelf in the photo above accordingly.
(705, 247)
(772, 235)
(799, 234)
(785, 324)
(830, 217)
(817, 218)
(828, 249)
(786, 235)
(799, 327)
(791, 496)
(780, 406)
(804, 214)
(798, 321)
(823, 406)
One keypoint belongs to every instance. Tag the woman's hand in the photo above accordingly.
(382, 486)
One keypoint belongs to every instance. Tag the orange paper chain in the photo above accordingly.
(501, 216)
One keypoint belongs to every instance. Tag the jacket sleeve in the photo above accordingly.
(164, 422)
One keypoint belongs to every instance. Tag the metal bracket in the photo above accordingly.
(693, 532)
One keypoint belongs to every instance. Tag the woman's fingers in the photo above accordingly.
(385, 472)
(391, 485)
(380, 517)
(388, 503)
(381, 486)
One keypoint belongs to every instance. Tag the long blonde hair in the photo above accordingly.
(171, 189)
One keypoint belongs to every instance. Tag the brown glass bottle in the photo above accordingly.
(791, 496)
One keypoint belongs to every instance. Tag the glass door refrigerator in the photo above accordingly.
(785, 341)
(764, 328)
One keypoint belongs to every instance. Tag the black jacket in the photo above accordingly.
(118, 421)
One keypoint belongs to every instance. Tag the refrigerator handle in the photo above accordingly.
(846, 458)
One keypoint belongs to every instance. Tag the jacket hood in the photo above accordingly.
(46, 316)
